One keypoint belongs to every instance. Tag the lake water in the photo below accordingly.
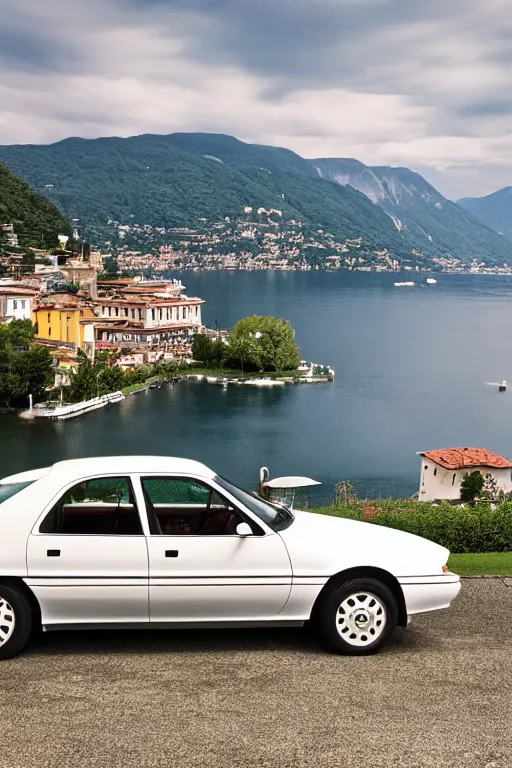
(411, 366)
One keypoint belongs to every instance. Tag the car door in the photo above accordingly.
(87, 556)
(200, 568)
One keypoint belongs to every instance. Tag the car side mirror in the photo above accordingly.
(244, 529)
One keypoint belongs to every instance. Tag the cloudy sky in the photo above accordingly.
(427, 85)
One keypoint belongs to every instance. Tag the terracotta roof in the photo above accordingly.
(458, 458)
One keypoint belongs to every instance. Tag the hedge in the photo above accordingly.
(459, 529)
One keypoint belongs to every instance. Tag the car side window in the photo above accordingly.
(187, 507)
(99, 506)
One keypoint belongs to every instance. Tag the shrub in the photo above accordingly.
(459, 529)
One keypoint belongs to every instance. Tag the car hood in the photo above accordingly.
(321, 545)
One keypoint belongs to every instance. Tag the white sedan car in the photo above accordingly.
(143, 541)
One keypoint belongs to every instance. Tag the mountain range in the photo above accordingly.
(426, 218)
(495, 210)
(173, 180)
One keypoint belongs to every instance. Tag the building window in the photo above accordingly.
(14, 304)
(117, 311)
(153, 314)
(140, 314)
(48, 317)
(133, 314)
(49, 331)
(435, 471)
(453, 479)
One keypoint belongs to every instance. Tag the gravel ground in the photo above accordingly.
(440, 695)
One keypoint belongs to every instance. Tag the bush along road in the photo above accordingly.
(479, 537)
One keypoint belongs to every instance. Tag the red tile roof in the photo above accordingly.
(458, 458)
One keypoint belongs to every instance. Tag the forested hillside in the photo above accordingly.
(36, 220)
(174, 180)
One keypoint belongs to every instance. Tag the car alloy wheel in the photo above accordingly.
(356, 616)
(361, 618)
(7, 621)
(16, 620)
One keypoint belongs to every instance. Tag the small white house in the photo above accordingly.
(442, 471)
(16, 302)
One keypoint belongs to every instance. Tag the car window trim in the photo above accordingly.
(142, 518)
(245, 514)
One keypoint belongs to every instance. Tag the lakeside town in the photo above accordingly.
(105, 336)
(256, 239)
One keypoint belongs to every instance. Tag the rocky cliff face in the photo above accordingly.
(419, 211)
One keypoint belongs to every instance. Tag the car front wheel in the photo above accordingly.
(15, 621)
(357, 616)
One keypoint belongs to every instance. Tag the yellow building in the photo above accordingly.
(60, 316)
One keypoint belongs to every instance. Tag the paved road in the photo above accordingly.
(440, 695)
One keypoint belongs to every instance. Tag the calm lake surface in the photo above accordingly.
(411, 366)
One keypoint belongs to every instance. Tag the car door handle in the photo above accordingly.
(53, 552)
(171, 553)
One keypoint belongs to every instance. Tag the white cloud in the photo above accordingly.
(386, 81)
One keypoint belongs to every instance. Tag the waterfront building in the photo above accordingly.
(442, 471)
(143, 314)
(65, 317)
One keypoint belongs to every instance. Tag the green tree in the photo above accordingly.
(19, 332)
(268, 343)
(111, 378)
(84, 383)
(219, 350)
(35, 368)
(471, 487)
(202, 349)
(24, 370)
(244, 352)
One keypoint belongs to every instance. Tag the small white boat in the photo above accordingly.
(502, 385)
(404, 285)
(431, 281)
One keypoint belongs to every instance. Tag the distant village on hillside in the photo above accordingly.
(256, 239)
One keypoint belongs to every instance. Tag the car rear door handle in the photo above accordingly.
(171, 553)
(53, 552)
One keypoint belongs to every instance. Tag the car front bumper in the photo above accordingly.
(429, 593)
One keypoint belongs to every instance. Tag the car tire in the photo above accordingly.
(356, 617)
(15, 621)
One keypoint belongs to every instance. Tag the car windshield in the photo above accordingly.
(276, 516)
(7, 490)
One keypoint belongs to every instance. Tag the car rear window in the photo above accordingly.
(8, 490)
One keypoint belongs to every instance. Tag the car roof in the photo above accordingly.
(106, 465)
